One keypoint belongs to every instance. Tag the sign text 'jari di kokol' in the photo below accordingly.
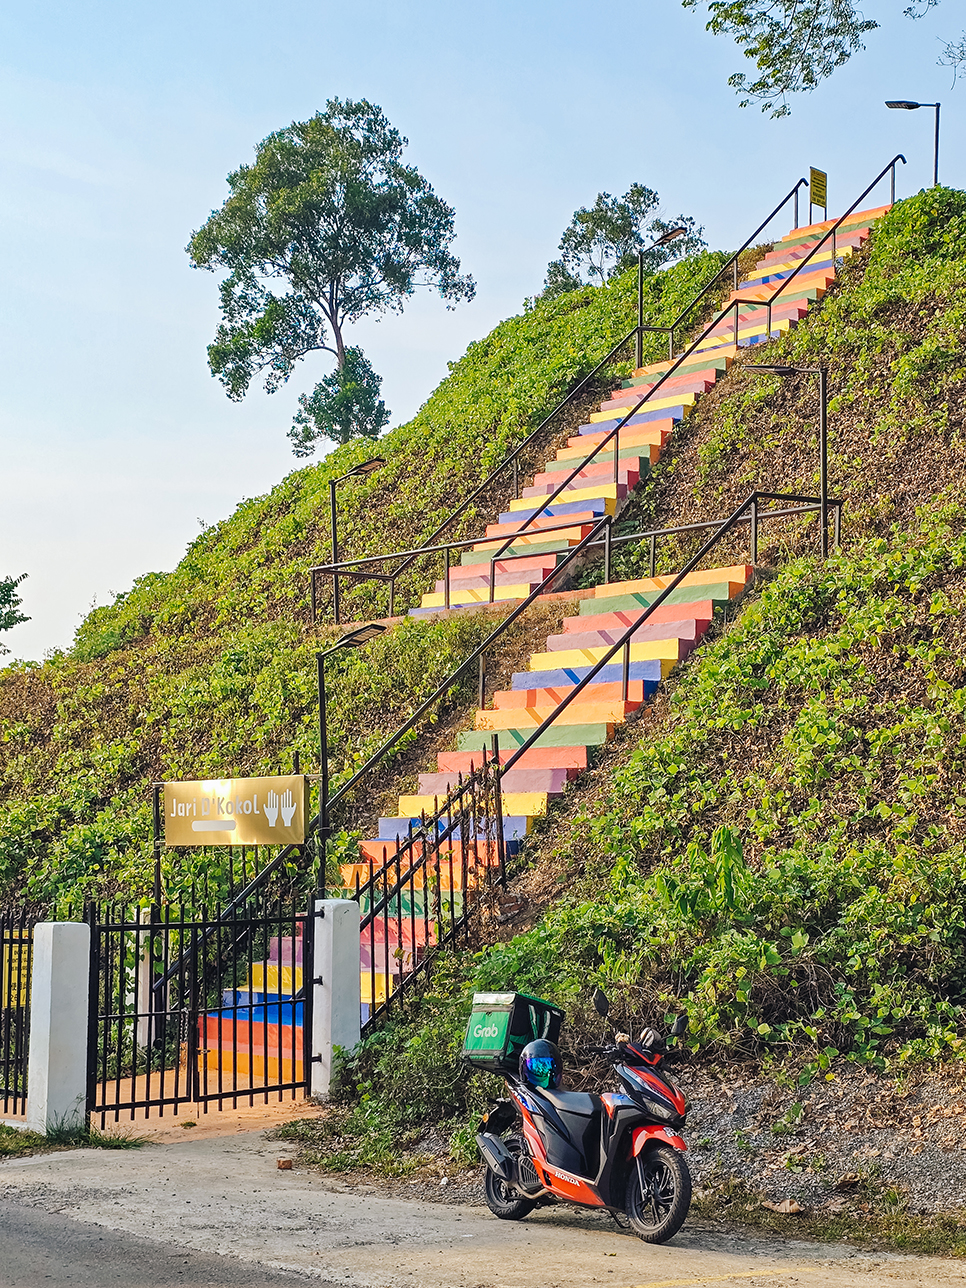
(237, 811)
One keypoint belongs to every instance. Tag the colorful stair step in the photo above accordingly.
(551, 781)
(638, 691)
(650, 672)
(572, 758)
(690, 629)
(592, 711)
(697, 610)
(557, 735)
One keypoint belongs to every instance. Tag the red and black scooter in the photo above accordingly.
(619, 1151)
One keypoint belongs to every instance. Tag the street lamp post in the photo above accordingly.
(357, 471)
(822, 373)
(663, 240)
(907, 105)
(355, 639)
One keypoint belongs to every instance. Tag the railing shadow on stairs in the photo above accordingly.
(350, 569)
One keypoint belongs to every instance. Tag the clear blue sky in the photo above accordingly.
(120, 122)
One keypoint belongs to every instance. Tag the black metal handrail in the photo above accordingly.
(512, 458)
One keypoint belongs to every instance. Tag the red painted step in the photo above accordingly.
(572, 758)
(701, 610)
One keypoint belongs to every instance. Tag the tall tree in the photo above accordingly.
(605, 239)
(327, 226)
(10, 602)
(796, 44)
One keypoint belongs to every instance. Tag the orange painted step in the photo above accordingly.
(506, 699)
(591, 711)
(729, 353)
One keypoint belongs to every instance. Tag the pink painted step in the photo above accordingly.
(686, 629)
(573, 759)
(700, 610)
(514, 780)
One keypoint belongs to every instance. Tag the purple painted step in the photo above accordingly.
(515, 780)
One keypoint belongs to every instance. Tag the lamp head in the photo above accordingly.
(904, 104)
(670, 235)
(366, 467)
(778, 371)
(355, 639)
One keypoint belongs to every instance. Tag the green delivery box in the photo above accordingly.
(501, 1025)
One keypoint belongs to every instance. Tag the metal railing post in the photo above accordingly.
(626, 672)
(481, 690)
(336, 599)
(446, 578)
(652, 564)
(639, 353)
(313, 607)
(837, 526)
(392, 595)
(823, 453)
(607, 542)
(796, 207)
(754, 531)
(516, 479)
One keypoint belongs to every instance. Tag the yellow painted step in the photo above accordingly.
(600, 492)
(744, 333)
(645, 651)
(739, 573)
(653, 404)
(365, 981)
(437, 598)
(265, 979)
(528, 804)
(577, 713)
(648, 443)
(821, 260)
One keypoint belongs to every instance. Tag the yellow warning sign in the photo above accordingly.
(818, 188)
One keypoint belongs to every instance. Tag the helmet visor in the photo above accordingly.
(542, 1069)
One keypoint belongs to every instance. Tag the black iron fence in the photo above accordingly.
(423, 887)
(198, 1007)
(16, 953)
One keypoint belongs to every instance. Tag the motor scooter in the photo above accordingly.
(619, 1151)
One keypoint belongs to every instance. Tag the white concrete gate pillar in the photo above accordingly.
(57, 1055)
(336, 995)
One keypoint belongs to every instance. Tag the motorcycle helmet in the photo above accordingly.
(540, 1065)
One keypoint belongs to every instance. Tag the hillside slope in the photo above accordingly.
(778, 849)
(209, 670)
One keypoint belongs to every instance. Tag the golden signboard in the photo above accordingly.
(237, 811)
(818, 188)
(15, 971)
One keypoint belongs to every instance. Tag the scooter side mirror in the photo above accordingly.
(601, 1004)
(679, 1027)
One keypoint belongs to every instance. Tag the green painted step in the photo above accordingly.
(853, 222)
(588, 735)
(641, 598)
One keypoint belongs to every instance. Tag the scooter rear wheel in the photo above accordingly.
(502, 1199)
(658, 1193)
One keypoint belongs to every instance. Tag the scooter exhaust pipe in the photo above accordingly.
(498, 1157)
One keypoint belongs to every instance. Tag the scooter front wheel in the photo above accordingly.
(658, 1193)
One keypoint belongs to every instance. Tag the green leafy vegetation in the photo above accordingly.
(209, 670)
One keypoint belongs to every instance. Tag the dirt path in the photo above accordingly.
(225, 1195)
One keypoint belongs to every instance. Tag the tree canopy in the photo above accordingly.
(327, 226)
(604, 239)
(796, 44)
(10, 602)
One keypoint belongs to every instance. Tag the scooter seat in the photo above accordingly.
(572, 1102)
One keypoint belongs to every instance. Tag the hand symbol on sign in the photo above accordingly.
(288, 808)
(271, 808)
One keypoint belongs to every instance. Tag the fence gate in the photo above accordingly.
(16, 951)
(211, 1010)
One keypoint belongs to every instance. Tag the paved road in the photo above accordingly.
(39, 1249)
(217, 1211)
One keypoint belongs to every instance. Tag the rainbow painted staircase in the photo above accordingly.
(569, 745)
(594, 491)
(258, 1036)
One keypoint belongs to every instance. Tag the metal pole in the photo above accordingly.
(837, 527)
(754, 533)
(935, 154)
(336, 605)
(640, 310)
(156, 829)
(516, 479)
(823, 453)
(446, 580)
(892, 185)
(626, 672)
(312, 595)
(324, 775)
(653, 563)
(607, 541)
(796, 205)
(481, 694)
